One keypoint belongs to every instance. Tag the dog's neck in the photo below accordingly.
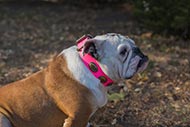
(91, 63)
(83, 75)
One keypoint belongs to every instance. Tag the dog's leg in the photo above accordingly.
(75, 122)
(4, 122)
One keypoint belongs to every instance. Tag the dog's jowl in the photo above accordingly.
(74, 84)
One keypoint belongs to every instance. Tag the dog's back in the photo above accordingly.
(26, 103)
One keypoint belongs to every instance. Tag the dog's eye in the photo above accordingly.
(123, 52)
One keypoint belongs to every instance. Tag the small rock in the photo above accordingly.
(114, 122)
(187, 83)
(177, 88)
(125, 88)
(184, 62)
(158, 74)
(137, 90)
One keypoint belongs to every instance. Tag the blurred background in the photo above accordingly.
(33, 31)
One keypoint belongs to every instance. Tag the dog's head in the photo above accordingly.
(117, 55)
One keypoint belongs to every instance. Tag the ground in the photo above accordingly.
(31, 34)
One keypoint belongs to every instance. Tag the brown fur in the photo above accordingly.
(47, 98)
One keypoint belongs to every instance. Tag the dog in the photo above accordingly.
(74, 84)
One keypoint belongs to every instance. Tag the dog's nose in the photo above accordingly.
(145, 59)
(138, 52)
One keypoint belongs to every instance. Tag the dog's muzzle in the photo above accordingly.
(144, 58)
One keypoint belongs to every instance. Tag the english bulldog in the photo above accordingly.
(74, 84)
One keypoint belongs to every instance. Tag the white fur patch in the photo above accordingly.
(84, 76)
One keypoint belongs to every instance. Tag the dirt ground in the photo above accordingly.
(31, 34)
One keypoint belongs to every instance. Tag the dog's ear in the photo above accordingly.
(90, 48)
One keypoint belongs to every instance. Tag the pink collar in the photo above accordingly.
(91, 63)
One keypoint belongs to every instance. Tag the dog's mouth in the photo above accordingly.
(142, 64)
